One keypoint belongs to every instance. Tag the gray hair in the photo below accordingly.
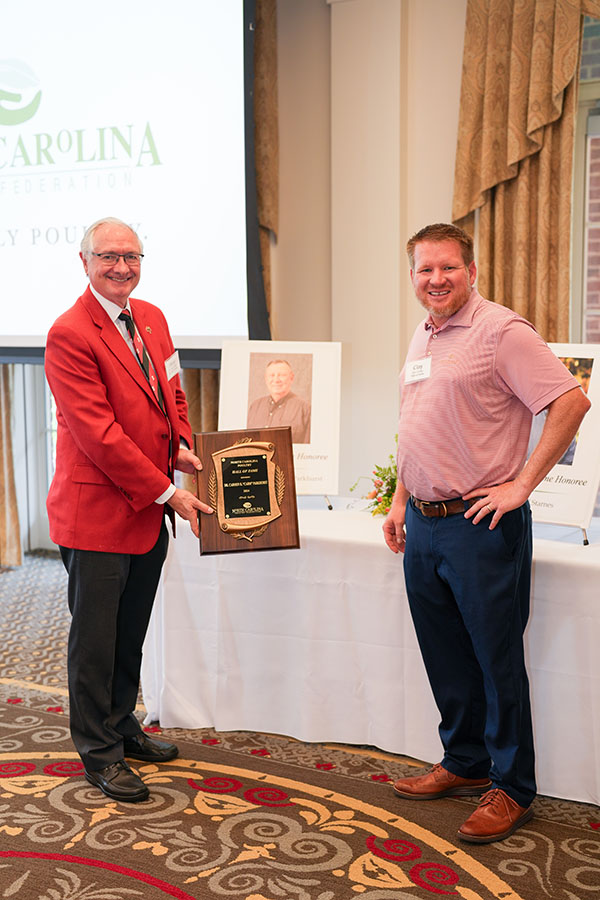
(275, 362)
(87, 240)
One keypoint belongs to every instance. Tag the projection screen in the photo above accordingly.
(134, 110)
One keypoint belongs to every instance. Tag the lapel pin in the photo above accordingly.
(148, 329)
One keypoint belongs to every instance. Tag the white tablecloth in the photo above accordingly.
(318, 644)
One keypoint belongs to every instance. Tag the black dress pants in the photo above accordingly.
(110, 597)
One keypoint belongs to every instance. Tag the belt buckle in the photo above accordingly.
(434, 503)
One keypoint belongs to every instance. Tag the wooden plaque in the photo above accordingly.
(248, 479)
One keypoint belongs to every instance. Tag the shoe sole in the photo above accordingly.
(465, 791)
(129, 798)
(489, 839)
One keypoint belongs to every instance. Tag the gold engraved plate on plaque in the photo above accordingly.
(246, 488)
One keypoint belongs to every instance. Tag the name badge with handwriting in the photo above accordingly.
(417, 370)
(172, 365)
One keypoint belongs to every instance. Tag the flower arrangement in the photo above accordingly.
(384, 486)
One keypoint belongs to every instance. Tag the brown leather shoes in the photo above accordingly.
(439, 782)
(496, 818)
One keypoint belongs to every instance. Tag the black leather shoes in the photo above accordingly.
(118, 782)
(148, 749)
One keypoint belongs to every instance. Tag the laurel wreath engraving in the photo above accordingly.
(212, 489)
(279, 484)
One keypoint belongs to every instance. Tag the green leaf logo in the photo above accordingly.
(19, 97)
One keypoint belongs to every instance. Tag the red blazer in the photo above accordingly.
(112, 452)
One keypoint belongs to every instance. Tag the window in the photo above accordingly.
(585, 293)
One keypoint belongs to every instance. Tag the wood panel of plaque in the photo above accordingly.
(248, 479)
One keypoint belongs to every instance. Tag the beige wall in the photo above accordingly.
(368, 103)
(431, 98)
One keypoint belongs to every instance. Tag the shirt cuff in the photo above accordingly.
(166, 495)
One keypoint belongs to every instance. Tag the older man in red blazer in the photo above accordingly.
(122, 430)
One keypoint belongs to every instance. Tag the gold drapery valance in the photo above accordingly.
(514, 157)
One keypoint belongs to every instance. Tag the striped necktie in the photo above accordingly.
(144, 359)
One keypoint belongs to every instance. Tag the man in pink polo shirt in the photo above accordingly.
(475, 374)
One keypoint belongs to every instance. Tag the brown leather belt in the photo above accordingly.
(443, 508)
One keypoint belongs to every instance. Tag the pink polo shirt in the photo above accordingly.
(466, 424)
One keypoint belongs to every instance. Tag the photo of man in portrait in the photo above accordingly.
(281, 405)
(581, 369)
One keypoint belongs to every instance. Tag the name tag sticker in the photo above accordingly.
(172, 365)
(417, 370)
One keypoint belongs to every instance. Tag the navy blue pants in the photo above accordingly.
(468, 590)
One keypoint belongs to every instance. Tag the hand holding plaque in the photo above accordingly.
(248, 478)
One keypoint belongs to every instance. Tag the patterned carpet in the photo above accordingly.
(238, 815)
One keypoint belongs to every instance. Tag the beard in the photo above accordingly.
(456, 299)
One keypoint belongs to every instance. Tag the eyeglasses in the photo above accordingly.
(111, 259)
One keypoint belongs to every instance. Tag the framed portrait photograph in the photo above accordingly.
(567, 495)
(272, 384)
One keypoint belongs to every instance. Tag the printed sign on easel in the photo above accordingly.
(567, 494)
(296, 383)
